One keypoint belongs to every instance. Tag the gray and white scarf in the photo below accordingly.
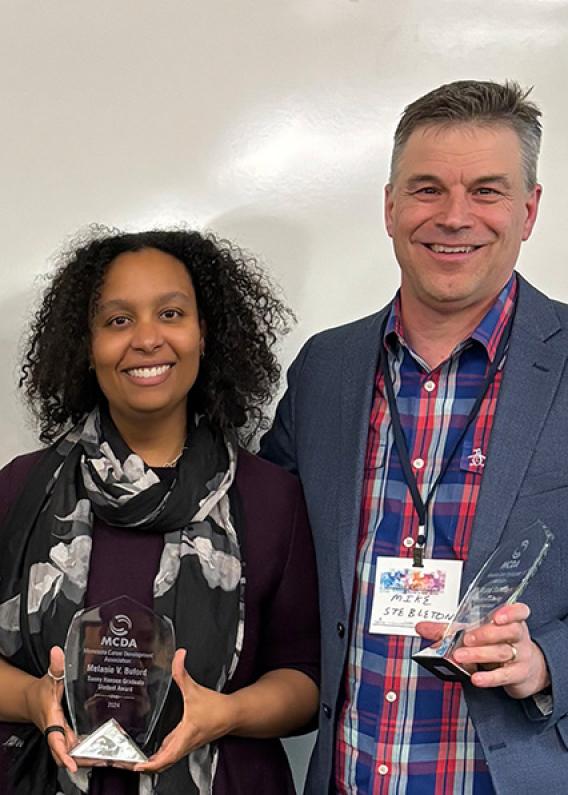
(90, 473)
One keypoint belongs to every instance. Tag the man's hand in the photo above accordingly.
(207, 715)
(504, 647)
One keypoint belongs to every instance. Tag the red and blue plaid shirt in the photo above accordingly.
(402, 731)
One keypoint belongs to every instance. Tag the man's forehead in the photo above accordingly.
(475, 145)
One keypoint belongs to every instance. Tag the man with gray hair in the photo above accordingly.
(425, 436)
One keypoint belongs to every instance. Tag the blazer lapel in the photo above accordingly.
(533, 370)
(360, 357)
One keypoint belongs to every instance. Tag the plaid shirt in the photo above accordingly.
(402, 731)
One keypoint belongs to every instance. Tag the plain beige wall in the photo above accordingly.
(266, 121)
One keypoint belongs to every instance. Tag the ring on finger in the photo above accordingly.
(514, 653)
(51, 729)
(55, 678)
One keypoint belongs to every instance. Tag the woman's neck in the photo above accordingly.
(158, 441)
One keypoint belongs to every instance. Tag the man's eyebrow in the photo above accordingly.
(500, 179)
(418, 179)
(125, 303)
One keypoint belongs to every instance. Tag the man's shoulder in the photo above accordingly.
(346, 331)
(537, 311)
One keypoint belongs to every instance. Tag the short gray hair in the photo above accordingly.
(476, 102)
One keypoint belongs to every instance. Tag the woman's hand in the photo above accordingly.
(43, 699)
(503, 651)
(207, 715)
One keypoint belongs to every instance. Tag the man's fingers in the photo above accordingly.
(431, 630)
(502, 676)
(511, 613)
(498, 653)
(492, 634)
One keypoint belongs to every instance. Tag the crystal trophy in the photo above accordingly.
(118, 660)
(501, 581)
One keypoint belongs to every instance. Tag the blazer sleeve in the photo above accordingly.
(279, 443)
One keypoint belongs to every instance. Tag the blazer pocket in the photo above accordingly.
(562, 729)
(544, 482)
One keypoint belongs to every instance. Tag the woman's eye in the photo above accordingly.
(118, 322)
(171, 314)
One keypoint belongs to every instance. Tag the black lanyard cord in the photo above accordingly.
(420, 505)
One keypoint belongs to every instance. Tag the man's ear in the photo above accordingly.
(388, 205)
(531, 204)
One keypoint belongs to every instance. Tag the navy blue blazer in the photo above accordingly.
(320, 433)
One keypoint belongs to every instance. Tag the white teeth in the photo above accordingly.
(148, 372)
(451, 249)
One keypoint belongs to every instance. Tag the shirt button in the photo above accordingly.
(383, 770)
(418, 463)
(340, 629)
(408, 542)
(326, 710)
(430, 386)
(391, 696)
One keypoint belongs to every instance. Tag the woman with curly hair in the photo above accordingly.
(150, 359)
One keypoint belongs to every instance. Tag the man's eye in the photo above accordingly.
(487, 192)
(428, 191)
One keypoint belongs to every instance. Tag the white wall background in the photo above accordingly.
(266, 121)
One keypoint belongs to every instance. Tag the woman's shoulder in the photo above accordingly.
(20, 466)
(255, 472)
(13, 477)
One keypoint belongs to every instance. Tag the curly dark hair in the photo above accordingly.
(242, 315)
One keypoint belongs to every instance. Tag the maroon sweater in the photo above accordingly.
(281, 618)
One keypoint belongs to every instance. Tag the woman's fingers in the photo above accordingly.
(56, 668)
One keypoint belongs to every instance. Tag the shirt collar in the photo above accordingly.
(488, 333)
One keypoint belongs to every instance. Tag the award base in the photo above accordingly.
(437, 660)
(109, 743)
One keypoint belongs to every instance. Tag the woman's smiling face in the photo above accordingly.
(146, 336)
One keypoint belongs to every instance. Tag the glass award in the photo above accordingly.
(501, 581)
(118, 661)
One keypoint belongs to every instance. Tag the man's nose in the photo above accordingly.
(455, 212)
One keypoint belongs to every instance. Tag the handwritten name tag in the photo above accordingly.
(404, 594)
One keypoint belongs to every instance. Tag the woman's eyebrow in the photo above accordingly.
(125, 303)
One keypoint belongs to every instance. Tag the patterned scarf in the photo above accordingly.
(47, 540)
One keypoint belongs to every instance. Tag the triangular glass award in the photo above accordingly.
(501, 581)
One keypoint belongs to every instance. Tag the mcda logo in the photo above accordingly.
(120, 626)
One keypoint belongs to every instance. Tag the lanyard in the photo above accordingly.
(420, 505)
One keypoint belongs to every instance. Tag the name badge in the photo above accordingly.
(404, 594)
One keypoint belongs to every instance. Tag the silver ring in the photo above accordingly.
(514, 653)
(55, 678)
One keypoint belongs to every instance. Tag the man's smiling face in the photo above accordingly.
(457, 210)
